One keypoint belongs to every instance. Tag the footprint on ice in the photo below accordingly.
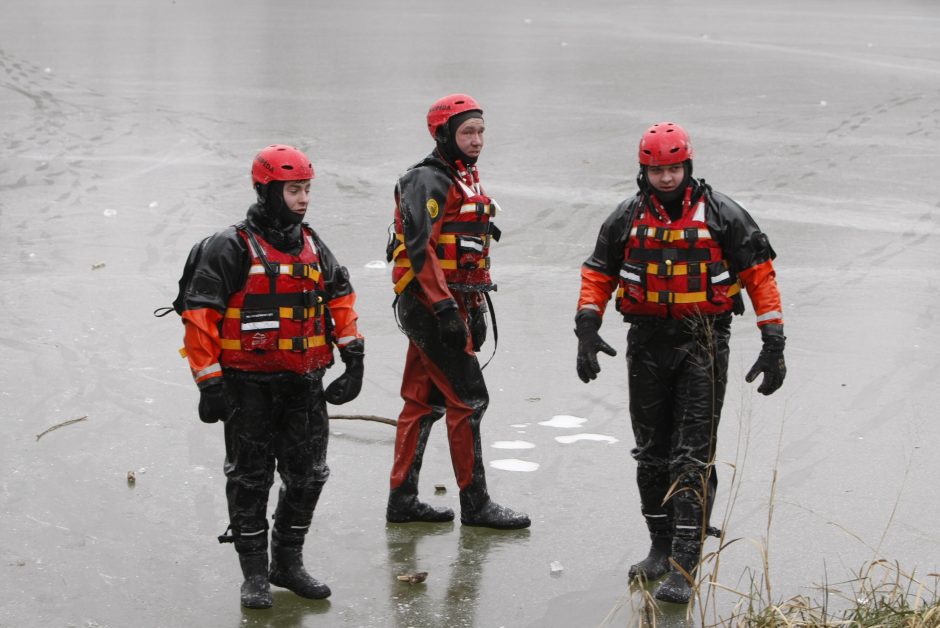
(576, 437)
(513, 444)
(563, 420)
(511, 464)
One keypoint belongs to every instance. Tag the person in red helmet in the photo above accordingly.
(677, 254)
(440, 251)
(265, 306)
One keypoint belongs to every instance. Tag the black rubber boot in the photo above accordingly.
(403, 503)
(656, 563)
(256, 591)
(477, 509)
(287, 569)
(677, 586)
(405, 507)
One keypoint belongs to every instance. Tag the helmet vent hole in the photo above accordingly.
(287, 167)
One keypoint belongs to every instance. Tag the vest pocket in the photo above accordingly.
(633, 282)
(260, 329)
(469, 251)
(720, 282)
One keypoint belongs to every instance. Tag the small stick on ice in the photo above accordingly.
(364, 417)
(62, 424)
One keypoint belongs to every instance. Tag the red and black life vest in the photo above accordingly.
(278, 321)
(674, 269)
(463, 246)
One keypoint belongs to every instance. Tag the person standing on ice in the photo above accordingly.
(677, 254)
(440, 250)
(265, 306)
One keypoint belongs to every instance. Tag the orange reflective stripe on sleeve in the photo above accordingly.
(760, 281)
(596, 288)
(344, 318)
(202, 343)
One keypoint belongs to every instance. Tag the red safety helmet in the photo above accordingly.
(278, 162)
(664, 144)
(446, 108)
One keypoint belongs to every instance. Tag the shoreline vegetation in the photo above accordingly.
(881, 594)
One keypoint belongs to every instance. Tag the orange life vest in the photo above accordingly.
(278, 321)
(675, 269)
(463, 246)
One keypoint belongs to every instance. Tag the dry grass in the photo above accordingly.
(880, 595)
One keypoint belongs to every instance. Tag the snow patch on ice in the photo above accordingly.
(110, 212)
(513, 444)
(512, 464)
(563, 420)
(519, 425)
(572, 438)
(376, 263)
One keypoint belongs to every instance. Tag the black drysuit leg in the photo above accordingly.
(677, 380)
(280, 423)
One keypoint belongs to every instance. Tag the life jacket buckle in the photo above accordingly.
(299, 344)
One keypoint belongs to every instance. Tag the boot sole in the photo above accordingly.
(518, 526)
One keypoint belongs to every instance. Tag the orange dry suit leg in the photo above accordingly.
(280, 423)
(457, 377)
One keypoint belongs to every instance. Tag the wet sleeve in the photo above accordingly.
(422, 202)
(341, 297)
(221, 271)
(600, 271)
(750, 254)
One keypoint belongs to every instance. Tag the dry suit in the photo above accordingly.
(265, 307)
(440, 254)
(677, 273)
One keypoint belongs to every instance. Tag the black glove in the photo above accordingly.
(476, 316)
(346, 387)
(453, 329)
(213, 402)
(770, 361)
(587, 322)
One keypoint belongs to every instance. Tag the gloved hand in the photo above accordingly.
(453, 329)
(213, 402)
(346, 387)
(770, 361)
(476, 316)
(587, 322)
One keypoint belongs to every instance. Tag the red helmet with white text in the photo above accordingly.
(664, 144)
(446, 108)
(278, 162)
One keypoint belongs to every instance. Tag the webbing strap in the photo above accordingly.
(284, 344)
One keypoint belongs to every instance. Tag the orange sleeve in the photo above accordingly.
(202, 343)
(760, 281)
(344, 319)
(596, 288)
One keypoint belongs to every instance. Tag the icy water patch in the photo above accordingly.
(513, 444)
(585, 436)
(564, 421)
(512, 464)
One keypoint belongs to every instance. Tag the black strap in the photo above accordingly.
(673, 255)
(270, 269)
(489, 306)
(160, 312)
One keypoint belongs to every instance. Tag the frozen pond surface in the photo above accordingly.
(127, 134)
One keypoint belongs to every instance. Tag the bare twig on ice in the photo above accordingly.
(364, 417)
(62, 424)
